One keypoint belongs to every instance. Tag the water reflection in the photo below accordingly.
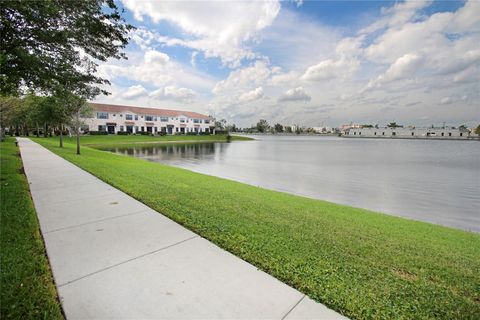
(433, 181)
(173, 152)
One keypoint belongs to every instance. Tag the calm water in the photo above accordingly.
(433, 181)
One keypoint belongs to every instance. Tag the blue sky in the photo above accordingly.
(305, 62)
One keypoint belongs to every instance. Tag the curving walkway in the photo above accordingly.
(114, 257)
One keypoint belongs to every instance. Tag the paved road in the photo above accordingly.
(114, 257)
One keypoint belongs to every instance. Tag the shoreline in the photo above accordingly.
(328, 251)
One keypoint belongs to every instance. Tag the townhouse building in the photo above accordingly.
(119, 118)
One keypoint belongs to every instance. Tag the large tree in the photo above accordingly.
(262, 126)
(49, 43)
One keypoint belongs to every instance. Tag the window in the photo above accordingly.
(355, 133)
(449, 134)
(176, 129)
(114, 115)
(136, 117)
(461, 134)
(196, 121)
(163, 119)
(102, 128)
(375, 134)
(136, 128)
(394, 133)
(148, 118)
(128, 117)
(102, 115)
(359, 133)
(121, 115)
(207, 121)
(142, 129)
(154, 118)
(443, 134)
(413, 134)
(383, 133)
(182, 120)
(121, 128)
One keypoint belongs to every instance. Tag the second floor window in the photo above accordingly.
(164, 119)
(102, 115)
(128, 117)
(207, 121)
(148, 118)
(196, 121)
(182, 120)
(136, 117)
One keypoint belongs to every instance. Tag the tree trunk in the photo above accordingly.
(45, 131)
(38, 130)
(78, 141)
(77, 129)
(61, 136)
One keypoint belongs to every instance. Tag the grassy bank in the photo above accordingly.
(108, 140)
(363, 264)
(27, 289)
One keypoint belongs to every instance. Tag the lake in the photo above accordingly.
(433, 181)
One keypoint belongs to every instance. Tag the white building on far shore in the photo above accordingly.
(118, 118)
(408, 133)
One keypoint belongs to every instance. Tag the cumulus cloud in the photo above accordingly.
(219, 29)
(174, 93)
(404, 67)
(329, 69)
(135, 92)
(153, 57)
(296, 94)
(252, 95)
(248, 77)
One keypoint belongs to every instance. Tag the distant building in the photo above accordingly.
(410, 132)
(118, 118)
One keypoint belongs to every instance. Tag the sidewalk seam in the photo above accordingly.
(296, 304)
(126, 261)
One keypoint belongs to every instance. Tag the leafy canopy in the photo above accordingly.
(51, 43)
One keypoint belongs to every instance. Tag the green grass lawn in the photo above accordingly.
(105, 140)
(27, 290)
(363, 264)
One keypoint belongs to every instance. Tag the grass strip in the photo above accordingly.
(132, 140)
(363, 264)
(27, 288)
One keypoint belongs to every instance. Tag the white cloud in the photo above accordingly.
(153, 58)
(193, 59)
(296, 94)
(252, 95)
(174, 93)
(329, 69)
(220, 29)
(403, 68)
(134, 92)
(244, 78)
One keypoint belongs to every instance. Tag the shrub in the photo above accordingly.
(98, 133)
(122, 133)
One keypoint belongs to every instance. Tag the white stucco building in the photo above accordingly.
(410, 132)
(118, 118)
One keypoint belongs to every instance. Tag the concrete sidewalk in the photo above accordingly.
(114, 257)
